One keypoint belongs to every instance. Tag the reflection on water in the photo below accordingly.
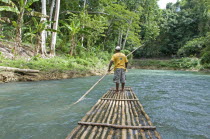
(177, 102)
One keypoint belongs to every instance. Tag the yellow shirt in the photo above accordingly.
(119, 60)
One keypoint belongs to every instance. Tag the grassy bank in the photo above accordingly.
(64, 63)
(60, 67)
(172, 64)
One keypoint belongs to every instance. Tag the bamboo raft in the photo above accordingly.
(116, 115)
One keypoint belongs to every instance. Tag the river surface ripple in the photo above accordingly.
(178, 103)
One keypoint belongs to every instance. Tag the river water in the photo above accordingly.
(178, 103)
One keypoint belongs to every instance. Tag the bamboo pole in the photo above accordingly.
(124, 134)
(114, 119)
(147, 118)
(147, 131)
(80, 99)
(130, 133)
(142, 133)
(135, 136)
(119, 116)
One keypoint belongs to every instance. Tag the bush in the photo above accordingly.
(205, 59)
(192, 47)
(57, 63)
(186, 63)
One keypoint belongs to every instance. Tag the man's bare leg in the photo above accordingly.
(123, 85)
(117, 87)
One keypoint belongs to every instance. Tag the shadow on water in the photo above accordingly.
(177, 102)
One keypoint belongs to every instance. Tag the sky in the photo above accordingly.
(162, 3)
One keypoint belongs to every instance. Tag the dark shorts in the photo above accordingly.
(119, 76)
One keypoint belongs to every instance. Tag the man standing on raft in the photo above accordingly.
(120, 65)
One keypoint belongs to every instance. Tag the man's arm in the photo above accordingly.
(110, 64)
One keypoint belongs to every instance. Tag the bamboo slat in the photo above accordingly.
(75, 131)
(130, 131)
(137, 116)
(114, 118)
(124, 134)
(116, 115)
(120, 99)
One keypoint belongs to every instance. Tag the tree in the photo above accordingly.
(149, 22)
(73, 28)
(122, 24)
(19, 9)
(55, 26)
(43, 32)
(34, 34)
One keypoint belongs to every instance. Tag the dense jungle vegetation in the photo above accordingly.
(83, 33)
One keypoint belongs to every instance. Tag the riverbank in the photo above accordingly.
(51, 68)
(72, 67)
(9, 76)
(186, 64)
(62, 66)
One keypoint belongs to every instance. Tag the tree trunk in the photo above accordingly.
(126, 36)
(71, 52)
(108, 30)
(43, 33)
(51, 14)
(83, 23)
(19, 28)
(55, 26)
(18, 35)
(120, 38)
(85, 1)
(37, 47)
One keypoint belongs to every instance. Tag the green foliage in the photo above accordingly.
(149, 20)
(177, 64)
(11, 7)
(126, 52)
(183, 26)
(205, 59)
(122, 22)
(74, 26)
(56, 63)
(192, 47)
(186, 63)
